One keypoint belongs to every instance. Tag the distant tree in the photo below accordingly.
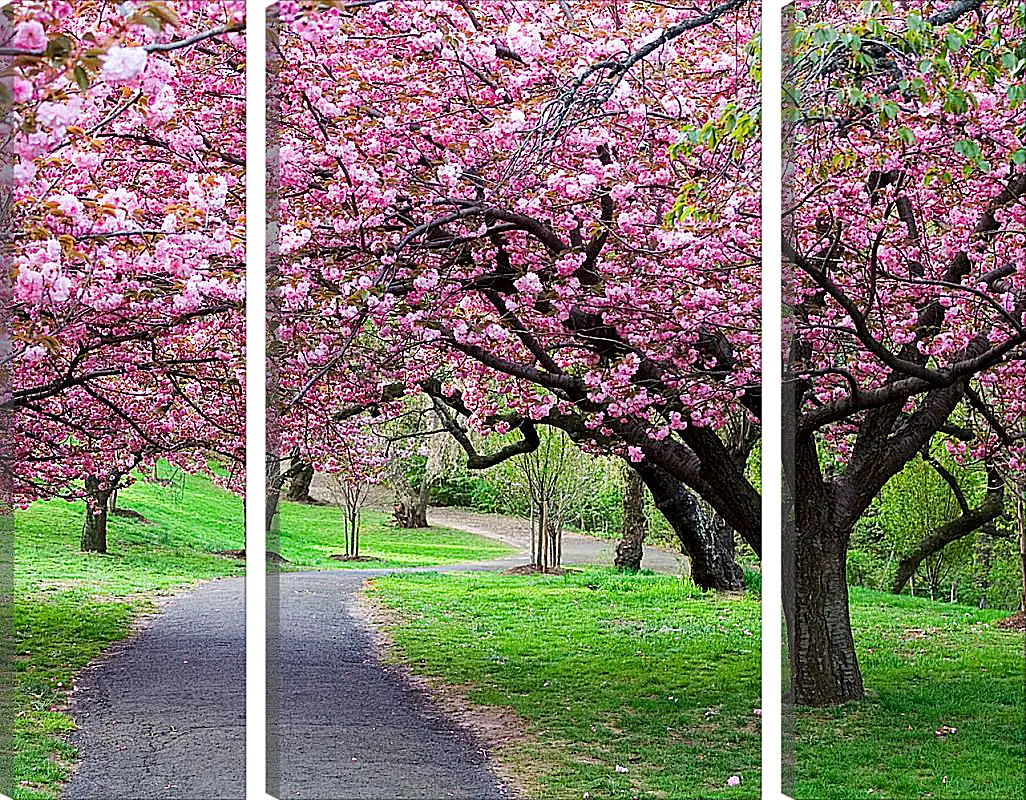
(630, 548)
(350, 496)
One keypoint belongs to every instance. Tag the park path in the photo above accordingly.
(164, 715)
(577, 549)
(516, 532)
(348, 729)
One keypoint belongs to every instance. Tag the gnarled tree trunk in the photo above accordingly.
(630, 549)
(969, 522)
(299, 485)
(94, 529)
(274, 480)
(709, 548)
(411, 505)
(824, 666)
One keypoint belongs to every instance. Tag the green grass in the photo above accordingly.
(311, 534)
(602, 668)
(70, 606)
(925, 665)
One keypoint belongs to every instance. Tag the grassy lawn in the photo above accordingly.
(311, 534)
(604, 669)
(70, 606)
(925, 665)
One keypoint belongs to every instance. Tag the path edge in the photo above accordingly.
(140, 622)
(443, 699)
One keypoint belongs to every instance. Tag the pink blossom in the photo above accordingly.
(124, 63)
(29, 36)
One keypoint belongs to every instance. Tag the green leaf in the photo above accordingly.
(58, 48)
(81, 77)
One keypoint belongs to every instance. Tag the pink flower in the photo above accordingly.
(635, 454)
(23, 172)
(529, 283)
(734, 780)
(124, 63)
(21, 89)
(29, 36)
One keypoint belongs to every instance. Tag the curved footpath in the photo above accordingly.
(347, 727)
(164, 715)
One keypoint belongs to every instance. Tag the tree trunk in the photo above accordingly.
(273, 497)
(112, 501)
(629, 550)
(710, 551)
(543, 540)
(94, 530)
(302, 476)
(555, 554)
(936, 540)
(411, 509)
(824, 667)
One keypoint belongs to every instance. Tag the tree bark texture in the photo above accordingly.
(710, 549)
(94, 529)
(302, 476)
(630, 549)
(824, 666)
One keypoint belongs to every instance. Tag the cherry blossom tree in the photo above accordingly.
(476, 202)
(905, 226)
(124, 242)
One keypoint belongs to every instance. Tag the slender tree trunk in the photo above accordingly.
(94, 529)
(555, 531)
(543, 536)
(302, 477)
(273, 488)
(630, 549)
(535, 559)
(1020, 519)
(824, 667)
(709, 550)
(112, 501)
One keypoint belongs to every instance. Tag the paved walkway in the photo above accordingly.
(165, 715)
(516, 531)
(348, 729)
(577, 549)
